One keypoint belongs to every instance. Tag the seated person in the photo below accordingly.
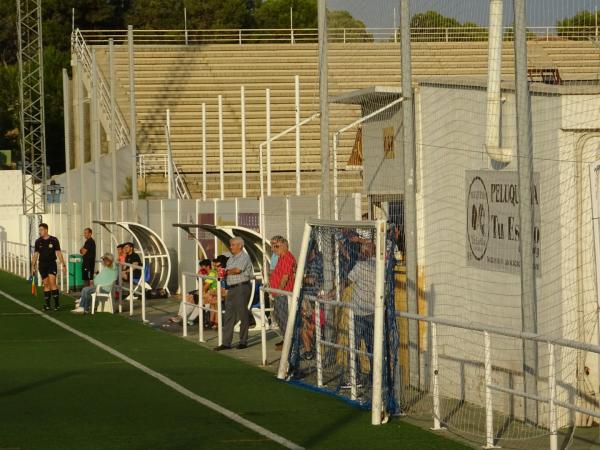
(103, 280)
(210, 293)
(132, 258)
(192, 296)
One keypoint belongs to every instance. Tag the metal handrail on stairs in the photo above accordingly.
(82, 51)
(157, 163)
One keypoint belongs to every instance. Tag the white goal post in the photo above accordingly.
(376, 239)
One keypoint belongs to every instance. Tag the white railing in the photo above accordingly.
(310, 35)
(158, 163)
(80, 48)
(202, 308)
(15, 258)
(490, 385)
(131, 289)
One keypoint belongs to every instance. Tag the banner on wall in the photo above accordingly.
(492, 210)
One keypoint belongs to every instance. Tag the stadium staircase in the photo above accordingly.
(181, 78)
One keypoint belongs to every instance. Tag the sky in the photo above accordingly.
(380, 13)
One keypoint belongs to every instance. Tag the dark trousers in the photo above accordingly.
(280, 311)
(236, 309)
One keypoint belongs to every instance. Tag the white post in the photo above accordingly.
(489, 413)
(297, 90)
(287, 341)
(200, 289)
(113, 114)
(169, 156)
(143, 285)
(120, 287)
(377, 401)
(81, 130)
(494, 79)
(179, 231)
(552, 404)
(95, 134)
(130, 292)
(219, 316)
(263, 328)
(243, 119)
(287, 219)
(336, 213)
(183, 305)
(132, 118)
(268, 106)
(292, 25)
(185, 25)
(221, 151)
(236, 211)
(215, 222)
(67, 124)
(351, 338)
(357, 206)
(436, 386)
(204, 151)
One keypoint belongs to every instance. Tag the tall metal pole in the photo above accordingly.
(494, 78)
(31, 100)
(324, 110)
(95, 135)
(113, 134)
(132, 118)
(525, 170)
(171, 190)
(221, 152)
(298, 156)
(67, 124)
(410, 203)
(243, 119)
(81, 131)
(204, 151)
(268, 109)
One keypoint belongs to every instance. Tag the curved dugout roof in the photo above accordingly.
(152, 249)
(252, 240)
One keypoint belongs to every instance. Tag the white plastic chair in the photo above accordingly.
(105, 298)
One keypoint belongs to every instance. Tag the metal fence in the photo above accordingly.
(338, 35)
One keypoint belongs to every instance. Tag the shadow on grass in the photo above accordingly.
(48, 380)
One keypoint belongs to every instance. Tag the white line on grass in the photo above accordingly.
(163, 379)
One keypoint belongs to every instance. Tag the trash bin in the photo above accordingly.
(76, 271)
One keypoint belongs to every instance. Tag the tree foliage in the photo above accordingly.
(587, 20)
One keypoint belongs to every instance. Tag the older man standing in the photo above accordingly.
(239, 273)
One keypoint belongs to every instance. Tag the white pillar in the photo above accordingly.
(81, 131)
(67, 125)
(170, 182)
(492, 140)
(221, 150)
(243, 120)
(298, 156)
(95, 135)
(268, 106)
(132, 118)
(113, 115)
(377, 401)
(204, 151)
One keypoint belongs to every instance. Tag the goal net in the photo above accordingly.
(343, 338)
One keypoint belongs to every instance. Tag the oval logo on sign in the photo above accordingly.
(478, 218)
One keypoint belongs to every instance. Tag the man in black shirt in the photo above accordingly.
(132, 258)
(88, 251)
(46, 250)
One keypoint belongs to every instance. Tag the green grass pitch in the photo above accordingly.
(58, 391)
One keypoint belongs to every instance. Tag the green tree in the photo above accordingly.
(586, 20)
(355, 29)
(9, 109)
(276, 14)
(214, 14)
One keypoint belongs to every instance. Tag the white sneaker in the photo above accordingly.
(78, 310)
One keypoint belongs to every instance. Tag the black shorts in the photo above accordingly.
(88, 273)
(47, 268)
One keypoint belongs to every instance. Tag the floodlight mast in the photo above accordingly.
(31, 99)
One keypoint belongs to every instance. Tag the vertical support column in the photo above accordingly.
(552, 405)
(204, 151)
(243, 120)
(525, 171)
(263, 328)
(219, 316)
(132, 118)
(113, 115)
(200, 289)
(489, 410)
(171, 190)
(298, 155)
(378, 326)
(221, 150)
(179, 249)
(436, 382)
(268, 108)
(95, 135)
(494, 78)
(410, 203)
(287, 219)
(357, 206)
(336, 212)
(324, 110)
(81, 130)
(184, 306)
(215, 222)
(67, 125)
